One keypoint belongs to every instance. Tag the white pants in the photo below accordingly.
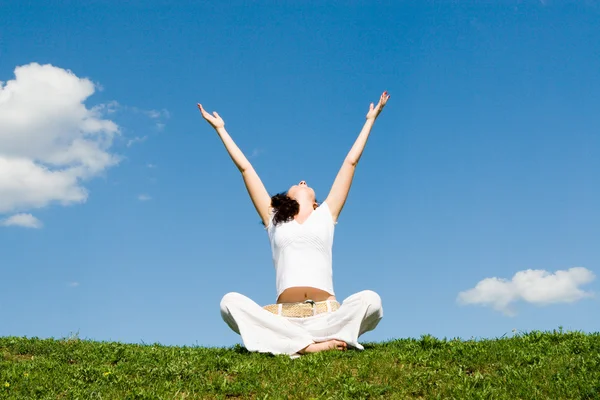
(265, 332)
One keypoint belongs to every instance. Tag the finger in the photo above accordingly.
(371, 107)
(202, 110)
(216, 115)
(384, 97)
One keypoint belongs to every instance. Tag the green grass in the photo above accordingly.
(536, 365)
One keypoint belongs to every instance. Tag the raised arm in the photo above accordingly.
(258, 194)
(343, 181)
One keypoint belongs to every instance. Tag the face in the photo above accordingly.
(302, 191)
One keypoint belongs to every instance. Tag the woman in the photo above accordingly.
(306, 317)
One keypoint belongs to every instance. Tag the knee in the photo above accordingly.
(230, 299)
(371, 298)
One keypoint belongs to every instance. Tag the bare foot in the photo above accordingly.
(324, 346)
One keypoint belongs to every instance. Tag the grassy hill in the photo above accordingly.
(536, 365)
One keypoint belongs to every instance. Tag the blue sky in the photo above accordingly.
(484, 164)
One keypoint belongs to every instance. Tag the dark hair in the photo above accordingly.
(284, 208)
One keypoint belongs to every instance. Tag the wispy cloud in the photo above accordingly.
(22, 220)
(135, 140)
(107, 108)
(155, 114)
(158, 115)
(150, 165)
(144, 197)
(256, 153)
(73, 284)
(538, 287)
(114, 106)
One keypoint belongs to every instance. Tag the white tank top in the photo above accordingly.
(302, 253)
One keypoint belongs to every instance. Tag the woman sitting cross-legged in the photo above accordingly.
(306, 316)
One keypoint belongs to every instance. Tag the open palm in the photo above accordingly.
(375, 110)
(214, 119)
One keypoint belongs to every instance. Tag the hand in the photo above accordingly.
(215, 120)
(375, 110)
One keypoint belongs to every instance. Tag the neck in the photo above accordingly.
(306, 208)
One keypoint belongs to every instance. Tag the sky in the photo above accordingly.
(474, 211)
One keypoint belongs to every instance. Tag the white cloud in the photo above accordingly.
(149, 165)
(153, 114)
(159, 115)
(156, 113)
(533, 286)
(73, 284)
(135, 140)
(50, 142)
(24, 220)
(144, 197)
(109, 108)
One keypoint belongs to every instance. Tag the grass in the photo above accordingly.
(535, 365)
